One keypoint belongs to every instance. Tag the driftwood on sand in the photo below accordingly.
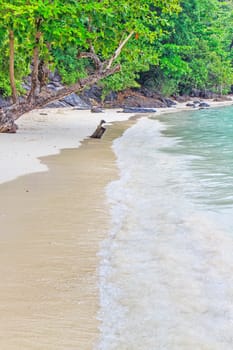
(100, 130)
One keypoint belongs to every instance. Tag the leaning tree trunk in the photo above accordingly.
(9, 115)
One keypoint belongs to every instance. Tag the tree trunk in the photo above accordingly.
(11, 67)
(8, 115)
(34, 74)
(43, 73)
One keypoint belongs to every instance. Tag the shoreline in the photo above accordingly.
(52, 224)
(46, 132)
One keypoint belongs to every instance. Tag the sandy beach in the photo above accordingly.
(45, 132)
(54, 216)
(52, 223)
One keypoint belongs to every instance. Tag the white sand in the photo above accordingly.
(51, 226)
(46, 132)
(41, 135)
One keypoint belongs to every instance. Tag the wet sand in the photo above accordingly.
(52, 224)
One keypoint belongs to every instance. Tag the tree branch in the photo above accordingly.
(9, 114)
(118, 50)
(92, 55)
(104, 69)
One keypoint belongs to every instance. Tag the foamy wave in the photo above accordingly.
(166, 273)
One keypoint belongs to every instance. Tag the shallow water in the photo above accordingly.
(166, 274)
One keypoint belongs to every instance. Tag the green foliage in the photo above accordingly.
(195, 53)
(70, 69)
(179, 50)
(134, 60)
(21, 66)
(67, 28)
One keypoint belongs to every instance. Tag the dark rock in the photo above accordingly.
(138, 110)
(57, 104)
(195, 93)
(54, 76)
(92, 94)
(207, 94)
(26, 86)
(96, 109)
(148, 93)
(169, 102)
(203, 94)
(71, 100)
(74, 100)
(190, 104)
(53, 85)
(204, 105)
(181, 99)
(222, 99)
(110, 97)
(5, 102)
(142, 102)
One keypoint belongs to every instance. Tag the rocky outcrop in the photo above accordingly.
(222, 99)
(203, 105)
(198, 104)
(54, 84)
(96, 109)
(181, 98)
(203, 94)
(92, 95)
(140, 98)
(72, 100)
(169, 103)
(5, 102)
(190, 104)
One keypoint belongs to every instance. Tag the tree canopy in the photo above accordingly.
(197, 51)
(65, 29)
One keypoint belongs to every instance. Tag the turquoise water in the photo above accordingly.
(207, 136)
(166, 277)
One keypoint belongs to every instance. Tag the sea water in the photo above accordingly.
(166, 277)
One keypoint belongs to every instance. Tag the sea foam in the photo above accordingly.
(166, 272)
